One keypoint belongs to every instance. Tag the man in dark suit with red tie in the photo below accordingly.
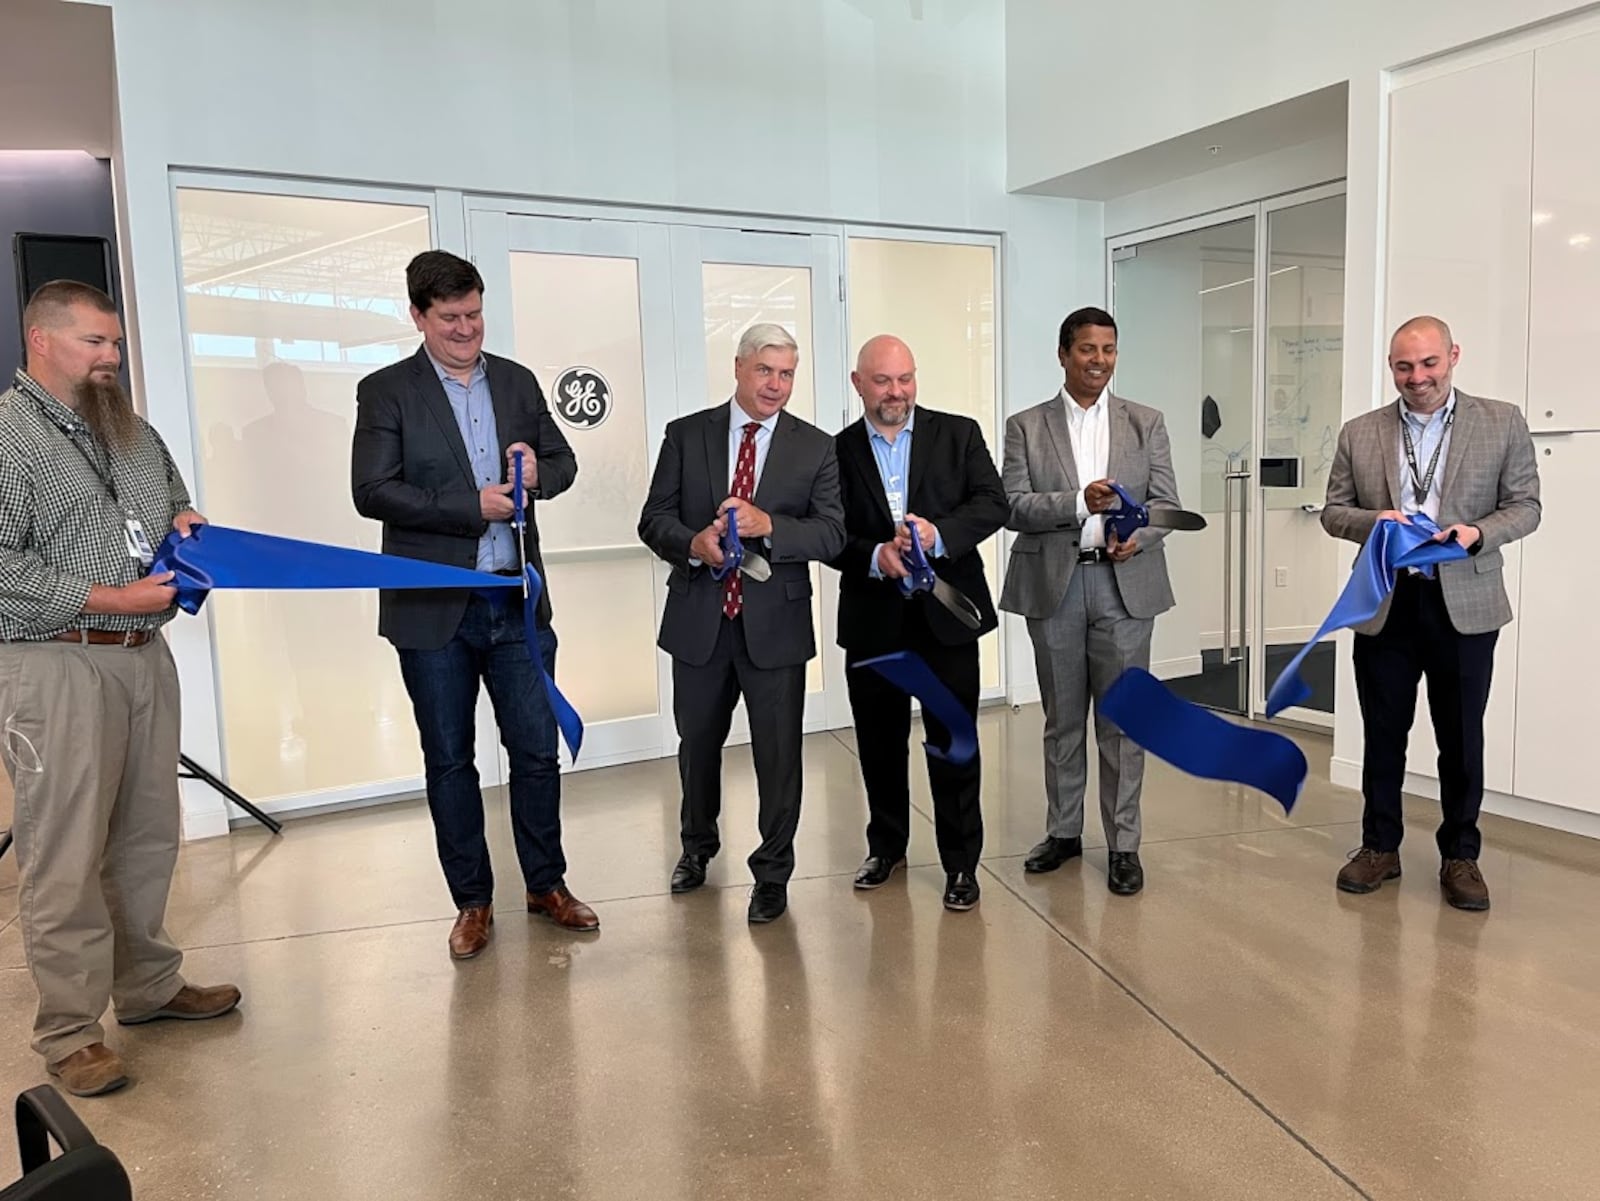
(903, 467)
(750, 462)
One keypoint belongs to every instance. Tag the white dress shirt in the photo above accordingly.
(1091, 454)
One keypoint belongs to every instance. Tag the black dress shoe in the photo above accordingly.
(876, 870)
(960, 891)
(1052, 853)
(767, 902)
(690, 873)
(1126, 877)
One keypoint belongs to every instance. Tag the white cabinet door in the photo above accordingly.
(1559, 651)
(1564, 319)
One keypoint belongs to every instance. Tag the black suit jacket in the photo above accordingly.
(953, 483)
(799, 489)
(409, 469)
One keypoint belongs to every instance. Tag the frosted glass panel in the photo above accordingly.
(577, 329)
(737, 296)
(939, 299)
(606, 624)
(289, 302)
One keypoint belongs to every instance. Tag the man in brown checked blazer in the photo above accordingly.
(1467, 463)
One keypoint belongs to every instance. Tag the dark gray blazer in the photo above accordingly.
(799, 488)
(409, 469)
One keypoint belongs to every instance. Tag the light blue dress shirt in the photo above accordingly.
(474, 413)
(894, 469)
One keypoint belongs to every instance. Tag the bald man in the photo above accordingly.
(88, 690)
(1468, 464)
(902, 466)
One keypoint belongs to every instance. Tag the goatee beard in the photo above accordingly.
(108, 412)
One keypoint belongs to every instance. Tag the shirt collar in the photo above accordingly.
(738, 418)
(53, 408)
(1073, 406)
(480, 369)
(874, 432)
(1423, 423)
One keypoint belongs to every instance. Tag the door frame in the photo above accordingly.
(1254, 546)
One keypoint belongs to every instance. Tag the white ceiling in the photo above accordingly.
(56, 75)
(1293, 122)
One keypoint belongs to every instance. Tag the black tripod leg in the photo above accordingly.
(197, 772)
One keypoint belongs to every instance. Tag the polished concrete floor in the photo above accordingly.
(1239, 1030)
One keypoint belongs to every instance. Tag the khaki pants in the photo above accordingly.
(91, 745)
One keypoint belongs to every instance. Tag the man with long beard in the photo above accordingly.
(89, 702)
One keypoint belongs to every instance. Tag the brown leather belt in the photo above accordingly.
(128, 638)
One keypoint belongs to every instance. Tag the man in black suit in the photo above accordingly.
(900, 464)
(434, 443)
(751, 462)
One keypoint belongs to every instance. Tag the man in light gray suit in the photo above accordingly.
(1468, 464)
(1090, 600)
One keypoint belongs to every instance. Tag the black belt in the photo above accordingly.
(1095, 554)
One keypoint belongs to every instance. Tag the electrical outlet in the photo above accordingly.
(1280, 577)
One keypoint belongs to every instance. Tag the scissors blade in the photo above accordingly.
(959, 605)
(1176, 519)
(755, 566)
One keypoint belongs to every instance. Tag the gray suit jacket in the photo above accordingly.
(1491, 480)
(1042, 486)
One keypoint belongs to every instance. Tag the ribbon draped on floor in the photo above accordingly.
(215, 556)
(1198, 742)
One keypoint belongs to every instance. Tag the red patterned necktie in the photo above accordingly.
(744, 487)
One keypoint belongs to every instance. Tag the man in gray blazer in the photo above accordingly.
(1468, 464)
(1090, 600)
(747, 461)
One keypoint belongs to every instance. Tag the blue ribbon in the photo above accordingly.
(1392, 547)
(215, 556)
(1198, 742)
(911, 674)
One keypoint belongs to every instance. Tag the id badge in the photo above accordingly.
(897, 505)
(138, 544)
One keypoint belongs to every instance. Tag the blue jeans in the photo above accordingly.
(443, 684)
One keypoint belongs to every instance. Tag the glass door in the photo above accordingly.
(724, 281)
(1185, 310)
(1233, 326)
(587, 307)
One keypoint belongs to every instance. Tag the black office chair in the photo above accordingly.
(84, 1171)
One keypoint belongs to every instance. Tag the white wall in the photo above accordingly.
(1165, 68)
(831, 110)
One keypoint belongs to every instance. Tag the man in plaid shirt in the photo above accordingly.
(89, 702)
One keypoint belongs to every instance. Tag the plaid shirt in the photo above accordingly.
(60, 528)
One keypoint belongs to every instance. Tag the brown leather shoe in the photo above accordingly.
(1463, 884)
(1368, 869)
(470, 934)
(564, 909)
(91, 1071)
(191, 1005)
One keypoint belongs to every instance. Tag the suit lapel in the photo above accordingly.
(1391, 453)
(781, 430)
(1119, 436)
(921, 451)
(857, 445)
(1055, 420)
(437, 403)
(717, 455)
(501, 395)
(1461, 432)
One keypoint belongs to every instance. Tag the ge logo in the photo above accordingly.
(583, 398)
